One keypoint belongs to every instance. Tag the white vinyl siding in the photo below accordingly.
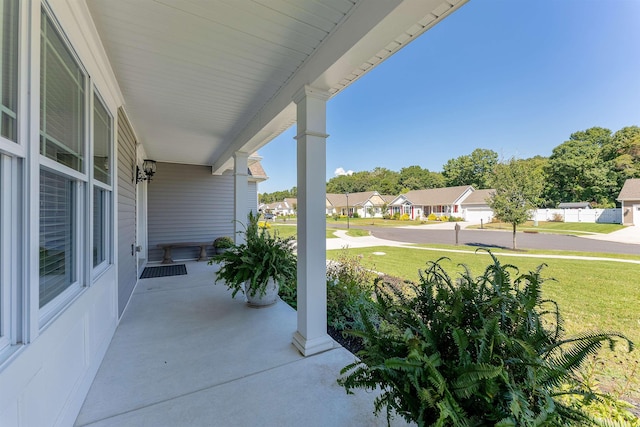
(127, 265)
(188, 204)
(9, 69)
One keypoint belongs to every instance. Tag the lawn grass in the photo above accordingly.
(592, 295)
(555, 227)
(375, 222)
(357, 232)
(291, 230)
(508, 252)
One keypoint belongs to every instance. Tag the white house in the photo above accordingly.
(475, 207)
(365, 204)
(129, 123)
(438, 201)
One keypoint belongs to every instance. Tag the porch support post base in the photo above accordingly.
(314, 346)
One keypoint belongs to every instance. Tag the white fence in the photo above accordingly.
(610, 216)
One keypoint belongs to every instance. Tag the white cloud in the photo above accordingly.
(341, 171)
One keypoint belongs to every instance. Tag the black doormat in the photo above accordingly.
(164, 271)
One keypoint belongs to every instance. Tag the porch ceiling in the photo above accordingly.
(202, 79)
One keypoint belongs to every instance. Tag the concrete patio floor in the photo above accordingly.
(187, 354)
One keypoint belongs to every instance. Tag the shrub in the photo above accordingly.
(455, 219)
(443, 218)
(477, 351)
(223, 242)
(349, 286)
(557, 217)
(404, 217)
(386, 216)
(336, 217)
(432, 217)
(355, 215)
(396, 216)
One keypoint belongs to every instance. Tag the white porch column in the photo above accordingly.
(241, 193)
(311, 336)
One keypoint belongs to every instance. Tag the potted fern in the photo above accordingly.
(259, 266)
(221, 244)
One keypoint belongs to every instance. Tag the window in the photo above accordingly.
(9, 69)
(101, 142)
(62, 100)
(102, 137)
(62, 192)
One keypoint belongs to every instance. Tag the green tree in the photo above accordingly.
(578, 172)
(416, 178)
(517, 191)
(623, 153)
(474, 169)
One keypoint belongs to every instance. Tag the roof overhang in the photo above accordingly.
(202, 80)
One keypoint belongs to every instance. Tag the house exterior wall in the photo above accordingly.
(202, 202)
(630, 212)
(127, 265)
(54, 351)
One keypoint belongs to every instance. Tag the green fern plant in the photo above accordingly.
(477, 351)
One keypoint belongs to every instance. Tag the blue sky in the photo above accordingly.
(514, 76)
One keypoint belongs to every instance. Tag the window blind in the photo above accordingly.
(62, 100)
(9, 69)
(57, 235)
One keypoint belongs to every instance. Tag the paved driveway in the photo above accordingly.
(503, 239)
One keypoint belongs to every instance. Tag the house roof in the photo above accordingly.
(203, 80)
(256, 172)
(291, 201)
(355, 199)
(435, 196)
(630, 190)
(478, 197)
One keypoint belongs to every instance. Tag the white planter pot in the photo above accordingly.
(269, 298)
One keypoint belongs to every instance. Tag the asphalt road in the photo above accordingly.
(503, 239)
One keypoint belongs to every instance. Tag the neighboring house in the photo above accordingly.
(366, 204)
(91, 91)
(438, 201)
(574, 205)
(475, 207)
(629, 197)
(290, 206)
(286, 207)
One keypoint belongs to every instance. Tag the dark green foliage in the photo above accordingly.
(349, 290)
(474, 169)
(478, 351)
(223, 242)
(263, 256)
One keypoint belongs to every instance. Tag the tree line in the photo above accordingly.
(591, 166)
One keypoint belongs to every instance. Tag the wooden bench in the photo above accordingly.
(166, 257)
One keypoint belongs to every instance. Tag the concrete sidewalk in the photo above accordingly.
(630, 234)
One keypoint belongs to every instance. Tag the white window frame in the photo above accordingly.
(82, 191)
(107, 187)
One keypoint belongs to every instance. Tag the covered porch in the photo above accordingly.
(186, 353)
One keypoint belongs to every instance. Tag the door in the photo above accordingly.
(127, 270)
